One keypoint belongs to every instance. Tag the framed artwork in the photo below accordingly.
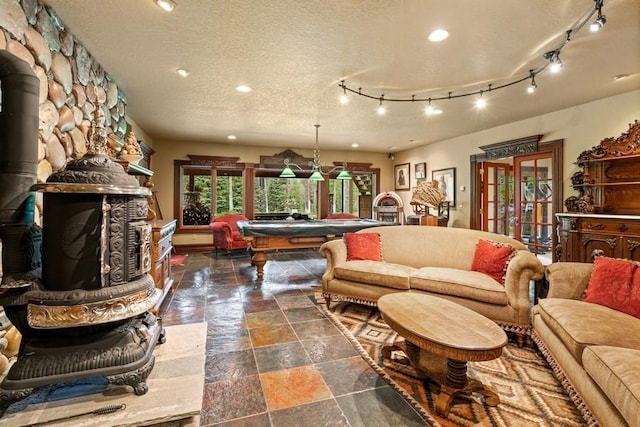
(401, 173)
(446, 179)
(420, 171)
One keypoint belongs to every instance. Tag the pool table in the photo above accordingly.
(264, 236)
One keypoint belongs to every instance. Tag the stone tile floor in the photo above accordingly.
(273, 358)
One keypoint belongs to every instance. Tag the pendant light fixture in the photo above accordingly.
(316, 167)
(316, 175)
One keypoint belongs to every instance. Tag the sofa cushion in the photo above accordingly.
(617, 372)
(375, 273)
(579, 324)
(461, 283)
(492, 259)
(363, 246)
(615, 283)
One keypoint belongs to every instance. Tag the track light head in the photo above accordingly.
(381, 110)
(532, 86)
(598, 23)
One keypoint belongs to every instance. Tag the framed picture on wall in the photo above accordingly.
(446, 179)
(420, 171)
(401, 174)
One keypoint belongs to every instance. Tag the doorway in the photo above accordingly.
(518, 195)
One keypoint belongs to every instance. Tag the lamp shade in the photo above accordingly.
(343, 175)
(316, 176)
(287, 173)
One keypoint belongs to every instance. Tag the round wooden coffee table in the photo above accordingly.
(440, 338)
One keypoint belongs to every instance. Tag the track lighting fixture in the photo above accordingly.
(600, 20)
(481, 102)
(381, 110)
(552, 61)
(598, 24)
(532, 86)
(431, 110)
(344, 99)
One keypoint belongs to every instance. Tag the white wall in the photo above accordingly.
(581, 127)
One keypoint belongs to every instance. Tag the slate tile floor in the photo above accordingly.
(273, 358)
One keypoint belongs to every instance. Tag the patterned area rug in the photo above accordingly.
(530, 394)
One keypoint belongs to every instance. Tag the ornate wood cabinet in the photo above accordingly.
(582, 236)
(161, 245)
(605, 218)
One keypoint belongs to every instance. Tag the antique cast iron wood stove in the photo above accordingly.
(85, 312)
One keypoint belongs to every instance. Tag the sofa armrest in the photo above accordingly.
(568, 279)
(335, 251)
(222, 234)
(522, 268)
(220, 226)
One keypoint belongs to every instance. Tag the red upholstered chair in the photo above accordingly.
(342, 215)
(225, 232)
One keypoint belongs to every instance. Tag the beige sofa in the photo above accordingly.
(593, 349)
(436, 261)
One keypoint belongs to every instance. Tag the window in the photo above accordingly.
(196, 204)
(205, 187)
(286, 195)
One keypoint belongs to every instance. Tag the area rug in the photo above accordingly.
(530, 394)
(177, 260)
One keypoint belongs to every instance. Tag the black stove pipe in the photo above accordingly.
(18, 135)
(19, 119)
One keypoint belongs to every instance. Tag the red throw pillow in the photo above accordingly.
(492, 259)
(363, 246)
(615, 283)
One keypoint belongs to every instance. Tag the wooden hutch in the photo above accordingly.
(605, 218)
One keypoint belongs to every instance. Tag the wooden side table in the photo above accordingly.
(161, 246)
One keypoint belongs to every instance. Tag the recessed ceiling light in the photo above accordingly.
(438, 35)
(621, 77)
(183, 72)
(167, 5)
(243, 88)
(354, 145)
(231, 137)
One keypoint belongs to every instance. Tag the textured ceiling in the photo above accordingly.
(294, 53)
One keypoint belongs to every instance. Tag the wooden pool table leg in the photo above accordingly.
(259, 259)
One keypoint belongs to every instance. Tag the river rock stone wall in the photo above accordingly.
(70, 82)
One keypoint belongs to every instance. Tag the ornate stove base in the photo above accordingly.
(123, 355)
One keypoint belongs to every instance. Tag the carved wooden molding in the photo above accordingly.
(610, 242)
(213, 161)
(632, 245)
(514, 147)
(627, 144)
(292, 156)
(596, 226)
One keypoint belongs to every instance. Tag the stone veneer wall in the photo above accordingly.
(70, 81)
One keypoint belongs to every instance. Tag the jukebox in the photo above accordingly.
(388, 206)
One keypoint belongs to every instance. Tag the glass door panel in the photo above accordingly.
(534, 198)
(497, 200)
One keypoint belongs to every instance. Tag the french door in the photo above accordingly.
(519, 196)
(497, 201)
(534, 220)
